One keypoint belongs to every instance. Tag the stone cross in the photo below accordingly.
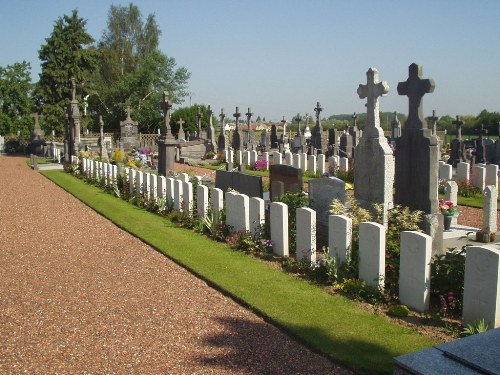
(482, 131)
(306, 120)
(237, 116)
(318, 110)
(222, 116)
(73, 89)
(127, 112)
(458, 123)
(101, 126)
(210, 129)
(371, 91)
(415, 88)
(166, 106)
(434, 122)
(355, 118)
(249, 115)
(298, 123)
(180, 133)
(198, 122)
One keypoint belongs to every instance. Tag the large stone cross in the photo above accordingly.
(458, 123)
(355, 118)
(318, 110)
(298, 123)
(249, 115)
(180, 123)
(222, 116)
(237, 116)
(166, 106)
(101, 125)
(371, 91)
(415, 88)
(198, 122)
(210, 113)
(306, 120)
(73, 89)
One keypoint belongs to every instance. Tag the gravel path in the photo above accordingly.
(80, 296)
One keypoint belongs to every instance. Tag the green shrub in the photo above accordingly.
(398, 310)
(293, 201)
(359, 290)
(479, 326)
(466, 189)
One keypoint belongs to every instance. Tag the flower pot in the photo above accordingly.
(447, 222)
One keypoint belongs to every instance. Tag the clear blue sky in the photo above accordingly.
(280, 57)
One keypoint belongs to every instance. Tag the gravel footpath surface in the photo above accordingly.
(80, 296)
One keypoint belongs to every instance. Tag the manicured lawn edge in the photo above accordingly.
(329, 324)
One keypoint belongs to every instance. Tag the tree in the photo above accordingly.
(134, 72)
(67, 54)
(15, 101)
(188, 115)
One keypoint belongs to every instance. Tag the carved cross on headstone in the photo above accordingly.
(415, 88)
(318, 110)
(166, 106)
(458, 123)
(198, 122)
(434, 122)
(371, 91)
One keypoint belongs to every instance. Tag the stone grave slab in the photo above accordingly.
(283, 179)
(322, 191)
(243, 183)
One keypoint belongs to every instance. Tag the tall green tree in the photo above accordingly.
(15, 101)
(67, 53)
(134, 72)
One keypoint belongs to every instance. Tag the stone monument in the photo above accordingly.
(181, 136)
(37, 136)
(221, 140)
(166, 141)
(374, 172)
(417, 156)
(129, 132)
(395, 128)
(236, 142)
(73, 130)
(457, 146)
(317, 131)
(210, 129)
(249, 142)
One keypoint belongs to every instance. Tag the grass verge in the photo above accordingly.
(329, 324)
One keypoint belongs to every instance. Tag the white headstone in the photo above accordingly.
(178, 185)
(217, 201)
(187, 197)
(139, 180)
(237, 211)
(303, 161)
(169, 189)
(491, 175)
(490, 204)
(372, 253)
(463, 172)
(288, 158)
(279, 228)
(311, 164)
(153, 185)
(296, 161)
(253, 157)
(184, 177)
(161, 187)
(344, 164)
(277, 158)
(321, 164)
(451, 194)
(479, 177)
(202, 200)
(482, 286)
(131, 180)
(265, 157)
(256, 214)
(415, 270)
(445, 171)
(146, 179)
(306, 235)
(339, 237)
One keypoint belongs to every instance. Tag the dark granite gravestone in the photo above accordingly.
(221, 141)
(457, 147)
(489, 150)
(242, 183)
(417, 156)
(476, 354)
(480, 147)
(317, 132)
(346, 146)
(37, 137)
(332, 137)
(274, 137)
(249, 140)
(283, 179)
(236, 143)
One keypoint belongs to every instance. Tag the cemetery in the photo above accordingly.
(375, 246)
(369, 245)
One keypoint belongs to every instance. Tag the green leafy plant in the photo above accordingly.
(359, 290)
(479, 326)
(398, 310)
(293, 201)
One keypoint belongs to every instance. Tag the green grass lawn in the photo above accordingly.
(329, 324)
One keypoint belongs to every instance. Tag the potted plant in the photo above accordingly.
(449, 210)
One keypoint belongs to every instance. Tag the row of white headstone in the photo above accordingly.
(307, 163)
(482, 275)
(481, 175)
